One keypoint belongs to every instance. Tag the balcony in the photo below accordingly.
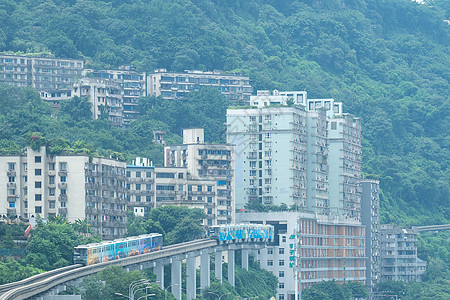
(11, 211)
(62, 185)
(11, 184)
(62, 173)
(11, 173)
(62, 197)
(62, 211)
(11, 198)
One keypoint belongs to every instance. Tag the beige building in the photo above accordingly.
(72, 186)
(205, 161)
(150, 187)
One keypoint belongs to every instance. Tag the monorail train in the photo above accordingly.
(226, 234)
(111, 250)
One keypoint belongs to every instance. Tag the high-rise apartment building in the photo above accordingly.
(309, 250)
(399, 259)
(370, 216)
(206, 161)
(73, 186)
(151, 187)
(174, 85)
(297, 151)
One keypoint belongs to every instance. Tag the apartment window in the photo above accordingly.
(25, 166)
(283, 239)
(199, 198)
(148, 198)
(209, 188)
(63, 179)
(11, 204)
(51, 191)
(333, 125)
(37, 172)
(281, 262)
(63, 204)
(128, 174)
(180, 187)
(148, 174)
(25, 178)
(37, 184)
(51, 204)
(11, 166)
(280, 250)
(209, 199)
(51, 166)
(180, 175)
(63, 166)
(11, 192)
(281, 297)
(189, 188)
(128, 186)
(38, 209)
(281, 285)
(199, 188)
(138, 174)
(270, 263)
(138, 187)
(37, 159)
(63, 192)
(38, 197)
(51, 179)
(269, 250)
(11, 179)
(138, 198)
(281, 274)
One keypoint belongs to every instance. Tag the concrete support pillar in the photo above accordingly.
(191, 285)
(245, 253)
(176, 278)
(159, 272)
(218, 265)
(204, 270)
(231, 267)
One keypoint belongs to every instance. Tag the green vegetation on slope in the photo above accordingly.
(388, 62)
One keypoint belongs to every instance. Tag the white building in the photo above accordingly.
(173, 85)
(72, 186)
(207, 162)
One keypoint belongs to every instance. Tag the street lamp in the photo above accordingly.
(218, 296)
(166, 288)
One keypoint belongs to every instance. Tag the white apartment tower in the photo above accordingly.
(206, 161)
(297, 151)
(73, 186)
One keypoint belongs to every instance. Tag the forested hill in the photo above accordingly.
(387, 60)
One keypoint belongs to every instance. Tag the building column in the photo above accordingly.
(245, 258)
(231, 267)
(204, 270)
(176, 278)
(191, 284)
(218, 265)
(159, 272)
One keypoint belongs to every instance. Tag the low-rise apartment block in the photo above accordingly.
(399, 259)
(73, 186)
(174, 85)
(205, 161)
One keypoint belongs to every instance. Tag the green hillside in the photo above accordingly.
(387, 60)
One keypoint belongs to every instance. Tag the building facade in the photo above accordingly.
(308, 250)
(72, 186)
(150, 187)
(173, 85)
(205, 161)
(314, 147)
(399, 259)
(370, 215)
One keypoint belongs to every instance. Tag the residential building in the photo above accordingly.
(370, 215)
(203, 162)
(399, 260)
(51, 77)
(105, 96)
(175, 85)
(314, 147)
(309, 250)
(73, 186)
(132, 83)
(150, 187)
